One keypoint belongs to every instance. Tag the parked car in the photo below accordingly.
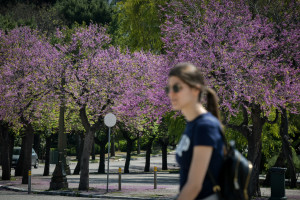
(16, 155)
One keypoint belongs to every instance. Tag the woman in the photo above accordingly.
(201, 145)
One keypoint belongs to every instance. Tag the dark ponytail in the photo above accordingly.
(212, 103)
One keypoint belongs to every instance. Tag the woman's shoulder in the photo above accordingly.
(207, 131)
(207, 120)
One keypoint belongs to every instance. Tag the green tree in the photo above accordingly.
(136, 25)
(18, 15)
(96, 11)
(45, 18)
(169, 132)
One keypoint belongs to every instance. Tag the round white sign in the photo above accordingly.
(110, 120)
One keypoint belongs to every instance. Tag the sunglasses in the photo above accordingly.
(176, 88)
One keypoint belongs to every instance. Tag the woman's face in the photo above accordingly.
(181, 95)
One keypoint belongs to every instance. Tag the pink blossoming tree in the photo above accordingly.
(27, 60)
(237, 54)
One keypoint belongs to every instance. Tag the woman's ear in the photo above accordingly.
(196, 92)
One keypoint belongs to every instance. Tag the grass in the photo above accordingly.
(95, 161)
(156, 196)
(297, 188)
(173, 171)
(119, 155)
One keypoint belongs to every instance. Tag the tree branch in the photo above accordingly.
(275, 120)
(243, 128)
(84, 119)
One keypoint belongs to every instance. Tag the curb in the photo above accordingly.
(75, 194)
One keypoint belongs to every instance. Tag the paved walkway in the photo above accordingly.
(136, 185)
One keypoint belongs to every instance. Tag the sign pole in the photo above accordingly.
(29, 181)
(108, 159)
(109, 120)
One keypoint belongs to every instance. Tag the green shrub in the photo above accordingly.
(121, 145)
(71, 151)
(271, 162)
(97, 149)
(6, 23)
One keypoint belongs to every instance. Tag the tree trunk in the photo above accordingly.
(36, 144)
(85, 157)
(59, 178)
(27, 152)
(139, 146)
(286, 146)
(148, 153)
(101, 168)
(87, 147)
(164, 142)
(12, 144)
(79, 153)
(128, 155)
(47, 156)
(19, 166)
(5, 151)
(113, 149)
(129, 146)
(93, 151)
(164, 150)
(254, 149)
(78, 142)
(102, 143)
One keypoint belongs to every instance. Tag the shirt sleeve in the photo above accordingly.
(205, 135)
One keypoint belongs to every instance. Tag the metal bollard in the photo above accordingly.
(155, 177)
(29, 181)
(120, 172)
(277, 183)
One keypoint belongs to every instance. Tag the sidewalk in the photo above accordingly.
(136, 185)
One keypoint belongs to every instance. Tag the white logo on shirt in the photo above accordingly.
(183, 145)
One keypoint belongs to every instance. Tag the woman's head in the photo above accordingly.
(186, 85)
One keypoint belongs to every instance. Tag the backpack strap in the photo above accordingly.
(216, 187)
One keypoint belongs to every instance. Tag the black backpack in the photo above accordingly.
(234, 177)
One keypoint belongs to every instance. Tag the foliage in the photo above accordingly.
(27, 61)
(234, 50)
(271, 161)
(36, 2)
(231, 134)
(144, 102)
(136, 25)
(18, 15)
(121, 145)
(44, 18)
(272, 141)
(6, 23)
(175, 126)
(96, 11)
(294, 131)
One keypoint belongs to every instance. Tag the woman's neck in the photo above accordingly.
(192, 112)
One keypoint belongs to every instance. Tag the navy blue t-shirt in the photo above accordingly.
(204, 130)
